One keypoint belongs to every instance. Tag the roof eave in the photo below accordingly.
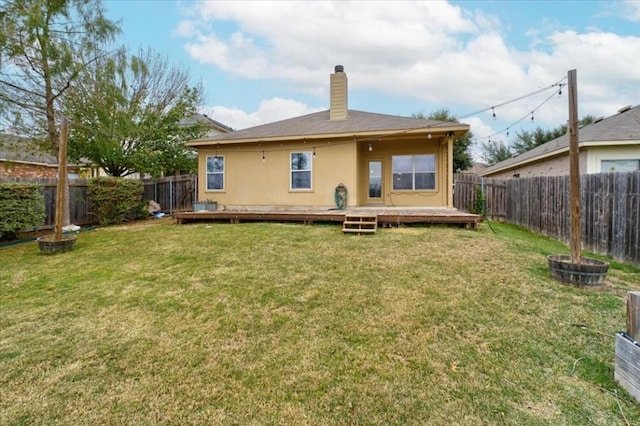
(458, 130)
(557, 152)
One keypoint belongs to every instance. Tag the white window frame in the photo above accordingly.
(612, 160)
(414, 171)
(309, 170)
(208, 173)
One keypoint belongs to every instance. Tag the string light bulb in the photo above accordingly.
(494, 112)
(314, 152)
(370, 148)
(263, 159)
(531, 116)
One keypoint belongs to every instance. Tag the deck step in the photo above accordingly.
(360, 223)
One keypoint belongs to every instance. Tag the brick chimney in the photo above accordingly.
(338, 108)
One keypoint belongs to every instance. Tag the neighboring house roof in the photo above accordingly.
(205, 119)
(18, 149)
(318, 125)
(475, 169)
(12, 149)
(619, 129)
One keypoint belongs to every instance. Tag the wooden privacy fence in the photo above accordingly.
(79, 203)
(174, 193)
(465, 193)
(610, 208)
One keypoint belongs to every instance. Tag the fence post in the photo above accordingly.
(195, 188)
(627, 349)
(633, 315)
(484, 202)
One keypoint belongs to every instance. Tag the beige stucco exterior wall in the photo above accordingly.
(595, 155)
(384, 150)
(253, 183)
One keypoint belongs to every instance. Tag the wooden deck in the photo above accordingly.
(387, 216)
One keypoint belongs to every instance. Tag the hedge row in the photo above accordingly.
(21, 207)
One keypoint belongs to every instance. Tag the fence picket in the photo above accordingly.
(174, 193)
(610, 208)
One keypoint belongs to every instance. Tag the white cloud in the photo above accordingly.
(631, 10)
(270, 110)
(301, 41)
(434, 52)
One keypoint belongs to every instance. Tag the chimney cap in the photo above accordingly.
(339, 68)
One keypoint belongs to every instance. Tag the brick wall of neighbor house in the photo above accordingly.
(558, 166)
(11, 169)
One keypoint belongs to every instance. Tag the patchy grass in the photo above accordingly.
(291, 324)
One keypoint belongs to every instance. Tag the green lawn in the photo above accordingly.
(157, 323)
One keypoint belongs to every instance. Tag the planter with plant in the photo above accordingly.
(206, 205)
(57, 242)
(574, 269)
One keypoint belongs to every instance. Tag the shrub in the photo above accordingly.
(21, 207)
(478, 207)
(116, 200)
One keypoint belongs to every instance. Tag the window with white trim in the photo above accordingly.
(301, 170)
(414, 172)
(215, 173)
(619, 165)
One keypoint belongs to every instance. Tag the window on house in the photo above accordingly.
(619, 165)
(414, 172)
(301, 170)
(215, 173)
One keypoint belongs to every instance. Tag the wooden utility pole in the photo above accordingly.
(574, 170)
(62, 180)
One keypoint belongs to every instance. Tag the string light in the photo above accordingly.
(559, 85)
(529, 114)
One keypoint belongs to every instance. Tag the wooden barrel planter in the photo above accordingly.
(588, 273)
(48, 245)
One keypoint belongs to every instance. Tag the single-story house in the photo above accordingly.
(21, 159)
(302, 162)
(610, 144)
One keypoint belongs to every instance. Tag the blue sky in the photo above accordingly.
(264, 61)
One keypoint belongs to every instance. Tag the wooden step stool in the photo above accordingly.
(360, 223)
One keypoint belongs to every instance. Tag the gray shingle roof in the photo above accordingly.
(318, 124)
(205, 119)
(621, 127)
(15, 148)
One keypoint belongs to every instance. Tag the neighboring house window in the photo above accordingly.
(215, 173)
(619, 165)
(301, 170)
(414, 172)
